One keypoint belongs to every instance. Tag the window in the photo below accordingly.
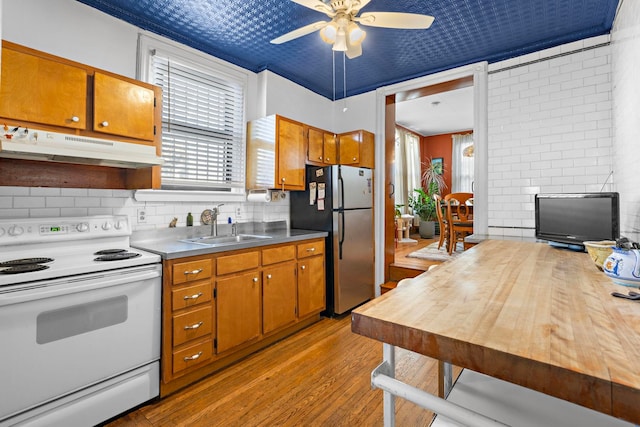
(407, 166)
(203, 125)
(462, 171)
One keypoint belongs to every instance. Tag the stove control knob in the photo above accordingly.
(15, 230)
(106, 226)
(1, 231)
(120, 225)
(82, 227)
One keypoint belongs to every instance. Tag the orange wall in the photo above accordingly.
(439, 146)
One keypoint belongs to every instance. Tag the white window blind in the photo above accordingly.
(202, 126)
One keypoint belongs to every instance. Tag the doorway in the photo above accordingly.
(473, 75)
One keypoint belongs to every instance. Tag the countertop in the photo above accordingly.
(167, 242)
(523, 312)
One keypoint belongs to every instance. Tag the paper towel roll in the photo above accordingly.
(259, 197)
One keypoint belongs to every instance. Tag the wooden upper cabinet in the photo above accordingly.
(36, 89)
(357, 149)
(276, 154)
(291, 154)
(122, 108)
(322, 147)
(349, 145)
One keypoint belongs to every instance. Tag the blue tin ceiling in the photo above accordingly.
(464, 31)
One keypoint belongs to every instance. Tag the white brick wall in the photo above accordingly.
(40, 202)
(625, 45)
(550, 129)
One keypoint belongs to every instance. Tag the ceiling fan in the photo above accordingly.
(343, 31)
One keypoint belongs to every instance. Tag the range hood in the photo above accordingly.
(32, 144)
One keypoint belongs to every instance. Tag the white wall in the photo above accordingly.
(625, 45)
(550, 129)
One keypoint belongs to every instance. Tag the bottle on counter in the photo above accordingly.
(189, 219)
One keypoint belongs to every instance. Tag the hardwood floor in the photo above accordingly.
(404, 249)
(317, 377)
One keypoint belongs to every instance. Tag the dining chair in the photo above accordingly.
(459, 218)
(441, 220)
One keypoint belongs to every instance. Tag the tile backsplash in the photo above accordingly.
(41, 202)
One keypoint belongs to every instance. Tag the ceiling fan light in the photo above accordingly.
(340, 44)
(328, 33)
(356, 34)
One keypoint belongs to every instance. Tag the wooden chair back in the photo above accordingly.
(459, 217)
(440, 213)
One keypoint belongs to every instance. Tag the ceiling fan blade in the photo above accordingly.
(411, 21)
(302, 31)
(316, 5)
(353, 51)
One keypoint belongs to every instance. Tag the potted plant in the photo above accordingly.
(422, 203)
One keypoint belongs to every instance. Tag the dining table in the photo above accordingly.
(524, 312)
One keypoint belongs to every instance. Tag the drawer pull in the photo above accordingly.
(311, 249)
(104, 124)
(194, 326)
(194, 296)
(194, 357)
(75, 119)
(193, 271)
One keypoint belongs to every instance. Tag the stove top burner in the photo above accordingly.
(23, 268)
(117, 256)
(25, 261)
(110, 251)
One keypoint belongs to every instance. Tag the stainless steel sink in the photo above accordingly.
(225, 240)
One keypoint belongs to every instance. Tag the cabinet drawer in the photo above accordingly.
(191, 295)
(279, 254)
(190, 271)
(192, 356)
(237, 262)
(308, 249)
(193, 324)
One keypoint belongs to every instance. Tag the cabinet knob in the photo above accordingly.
(75, 119)
(354, 159)
(255, 279)
(106, 123)
(268, 276)
(328, 159)
(302, 267)
(319, 157)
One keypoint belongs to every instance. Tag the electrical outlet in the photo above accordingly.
(238, 213)
(142, 215)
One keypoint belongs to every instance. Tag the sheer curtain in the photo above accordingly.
(462, 169)
(407, 166)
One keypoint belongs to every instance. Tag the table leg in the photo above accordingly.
(445, 379)
(389, 400)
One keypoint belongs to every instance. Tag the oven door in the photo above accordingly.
(64, 335)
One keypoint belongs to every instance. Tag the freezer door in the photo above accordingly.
(353, 259)
(353, 187)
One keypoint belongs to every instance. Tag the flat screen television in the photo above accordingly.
(573, 218)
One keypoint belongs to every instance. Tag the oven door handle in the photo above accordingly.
(86, 282)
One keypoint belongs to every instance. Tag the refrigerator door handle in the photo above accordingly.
(341, 190)
(341, 232)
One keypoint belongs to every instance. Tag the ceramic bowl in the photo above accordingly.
(599, 251)
(623, 266)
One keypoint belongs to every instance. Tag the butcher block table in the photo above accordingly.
(523, 312)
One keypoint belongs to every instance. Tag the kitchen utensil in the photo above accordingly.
(634, 296)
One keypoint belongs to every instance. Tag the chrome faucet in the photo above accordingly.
(214, 219)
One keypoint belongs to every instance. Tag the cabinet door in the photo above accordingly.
(349, 146)
(291, 154)
(330, 149)
(122, 108)
(367, 150)
(315, 152)
(40, 90)
(311, 286)
(279, 296)
(238, 309)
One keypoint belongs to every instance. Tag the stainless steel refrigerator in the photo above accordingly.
(339, 200)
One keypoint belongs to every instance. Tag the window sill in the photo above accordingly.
(187, 196)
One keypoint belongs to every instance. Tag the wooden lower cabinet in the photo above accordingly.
(221, 307)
